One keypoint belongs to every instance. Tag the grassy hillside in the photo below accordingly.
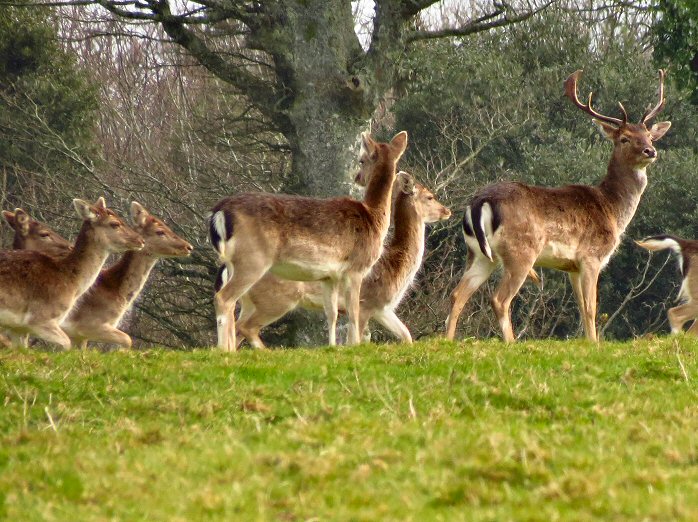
(435, 431)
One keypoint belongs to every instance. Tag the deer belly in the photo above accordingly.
(558, 256)
(308, 271)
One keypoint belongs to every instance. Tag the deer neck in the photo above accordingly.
(403, 254)
(379, 192)
(86, 259)
(623, 187)
(131, 272)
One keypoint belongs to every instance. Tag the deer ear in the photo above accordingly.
(22, 221)
(399, 143)
(139, 214)
(367, 144)
(85, 210)
(406, 182)
(659, 129)
(9, 217)
(608, 130)
(101, 203)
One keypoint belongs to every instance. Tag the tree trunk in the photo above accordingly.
(327, 104)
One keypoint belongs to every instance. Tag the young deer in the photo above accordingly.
(98, 312)
(687, 251)
(335, 241)
(381, 291)
(38, 290)
(31, 234)
(574, 228)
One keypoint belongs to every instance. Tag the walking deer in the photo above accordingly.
(574, 228)
(335, 241)
(98, 312)
(381, 291)
(38, 290)
(31, 234)
(687, 250)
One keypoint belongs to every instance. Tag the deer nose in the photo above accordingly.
(650, 152)
(447, 213)
(189, 248)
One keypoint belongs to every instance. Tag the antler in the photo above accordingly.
(571, 93)
(651, 113)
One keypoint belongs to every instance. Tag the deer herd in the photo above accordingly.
(278, 252)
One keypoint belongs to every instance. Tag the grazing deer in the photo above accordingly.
(38, 290)
(335, 241)
(687, 251)
(98, 312)
(574, 228)
(381, 291)
(31, 234)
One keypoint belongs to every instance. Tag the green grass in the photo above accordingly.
(436, 431)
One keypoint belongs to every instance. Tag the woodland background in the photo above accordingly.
(179, 105)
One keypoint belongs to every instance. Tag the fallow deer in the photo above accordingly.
(687, 250)
(335, 241)
(31, 234)
(573, 228)
(38, 290)
(381, 291)
(98, 312)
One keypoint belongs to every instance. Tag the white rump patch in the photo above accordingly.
(486, 226)
(219, 227)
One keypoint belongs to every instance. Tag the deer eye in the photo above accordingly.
(625, 140)
(430, 198)
(44, 234)
(115, 225)
(160, 232)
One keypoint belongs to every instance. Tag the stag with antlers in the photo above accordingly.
(574, 228)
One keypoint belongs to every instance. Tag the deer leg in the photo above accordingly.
(108, 334)
(246, 273)
(52, 333)
(679, 315)
(480, 269)
(352, 290)
(589, 279)
(392, 322)
(330, 298)
(693, 330)
(512, 280)
(576, 282)
(364, 316)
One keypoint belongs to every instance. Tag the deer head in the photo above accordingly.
(106, 228)
(632, 142)
(34, 235)
(370, 154)
(160, 240)
(423, 200)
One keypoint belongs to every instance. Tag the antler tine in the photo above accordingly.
(651, 113)
(571, 93)
(625, 114)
